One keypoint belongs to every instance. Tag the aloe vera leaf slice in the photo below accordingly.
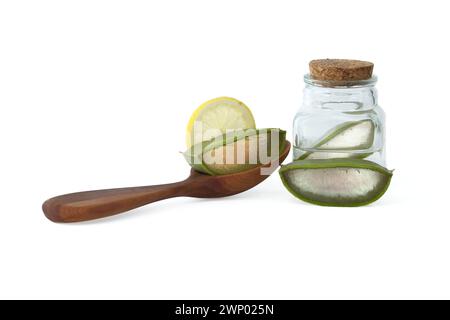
(248, 146)
(352, 135)
(334, 155)
(242, 147)
(336, 182)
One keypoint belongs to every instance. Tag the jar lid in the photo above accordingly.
(341, 83)
(340, 70)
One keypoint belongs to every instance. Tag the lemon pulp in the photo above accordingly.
(216, 117)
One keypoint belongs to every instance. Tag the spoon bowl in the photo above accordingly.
(89, 205)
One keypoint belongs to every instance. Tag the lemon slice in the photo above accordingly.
(216, 117)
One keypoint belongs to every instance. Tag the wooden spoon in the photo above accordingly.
(89, 205)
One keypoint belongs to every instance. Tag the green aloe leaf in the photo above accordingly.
(352, 135)
(336, 182)
(235, 152)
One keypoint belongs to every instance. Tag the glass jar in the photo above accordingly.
(339, 119)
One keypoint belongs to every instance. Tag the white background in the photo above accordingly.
(97, 94)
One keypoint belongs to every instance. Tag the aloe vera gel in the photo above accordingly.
(336, 182)
(340, 116)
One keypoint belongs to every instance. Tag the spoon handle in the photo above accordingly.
(89, 205)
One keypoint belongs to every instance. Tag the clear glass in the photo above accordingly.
(340, 120)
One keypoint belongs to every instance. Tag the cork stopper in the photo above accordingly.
(340, 70)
